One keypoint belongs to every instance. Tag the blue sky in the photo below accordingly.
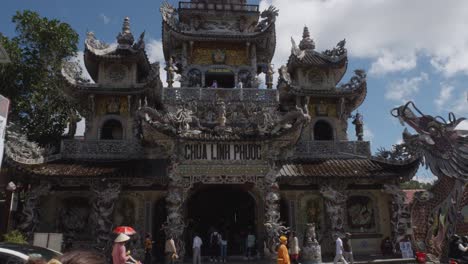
(412, 50)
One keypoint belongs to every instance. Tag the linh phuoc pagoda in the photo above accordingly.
(225, 150)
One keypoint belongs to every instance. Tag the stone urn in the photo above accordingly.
(311, 252)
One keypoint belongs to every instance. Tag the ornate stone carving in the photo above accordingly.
(338, 51)
(359, 125)
(29, 216)
(170, 71)
(444, 150)
(274, 228)
(311, 251)
(268, 18)
(103, 201)
(335, 203)
(400, 214)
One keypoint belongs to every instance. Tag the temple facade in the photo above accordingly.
(227, 150)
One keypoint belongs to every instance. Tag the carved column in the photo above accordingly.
(174, 226)
(29, 215)
(400, 214)
(335, 203)
(103, 201)
(273, 227)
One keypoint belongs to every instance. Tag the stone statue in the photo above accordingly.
(311, 252)
(359, 125)
(30, 216)
(269, 76)
(170, 71)
(321, 109)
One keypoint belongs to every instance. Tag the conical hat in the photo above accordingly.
(121, 238)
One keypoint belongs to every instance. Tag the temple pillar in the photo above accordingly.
(29, 215)
(400, 216)
(335, 203)
(103, 201)
(175, 223)
(273, 227)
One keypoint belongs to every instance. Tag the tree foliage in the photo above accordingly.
(15, 236)
(33, 81)
(416, 185)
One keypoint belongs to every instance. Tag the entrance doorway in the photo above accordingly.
(227, 209)
(224, 79)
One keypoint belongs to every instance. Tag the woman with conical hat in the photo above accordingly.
(119, 253)
(283, 256)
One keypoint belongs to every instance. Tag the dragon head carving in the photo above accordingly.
(444, 149)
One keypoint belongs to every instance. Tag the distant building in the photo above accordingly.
(174, 161)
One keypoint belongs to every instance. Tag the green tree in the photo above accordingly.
(416, 185)
(33, 79)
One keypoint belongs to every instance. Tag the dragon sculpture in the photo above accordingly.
(444, 150)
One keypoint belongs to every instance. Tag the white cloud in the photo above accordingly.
(463, 125)
(391, 33)
(403, 90)
(80, 59)
(388, 62)
(154, 49)
(444, 96)
(105, 19)
(368, 134)
(460, 105)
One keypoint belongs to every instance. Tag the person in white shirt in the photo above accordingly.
(339, 250)
(250, 245)
(197, 243)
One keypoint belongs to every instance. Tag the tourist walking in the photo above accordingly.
(148, 248)
(214, 246)
(196, 247)
(339, 250)
(294, 248)
(347, 249)
(283, 256)
(223, 247)
(170, 251)
(250, 245)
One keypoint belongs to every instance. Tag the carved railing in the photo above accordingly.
(217, 6)
(101, 149)
(330, 149)
(180, 95)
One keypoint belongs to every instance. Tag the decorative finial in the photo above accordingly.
(306, 43)
(125, 37)
(126, 26)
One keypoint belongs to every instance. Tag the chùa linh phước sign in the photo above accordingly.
(220, 151)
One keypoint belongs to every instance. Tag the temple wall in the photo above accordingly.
(309, 206)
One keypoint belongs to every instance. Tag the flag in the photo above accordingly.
(4, 106)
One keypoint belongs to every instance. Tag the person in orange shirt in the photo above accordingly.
(283, 256)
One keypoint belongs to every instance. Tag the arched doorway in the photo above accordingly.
(229, 209)
(223, 77)
(323, 131)
(112, 129)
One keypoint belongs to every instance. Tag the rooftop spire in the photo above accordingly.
(125, 37)
(306, 42)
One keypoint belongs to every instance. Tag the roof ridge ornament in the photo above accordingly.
(125, 38)
(306, 43)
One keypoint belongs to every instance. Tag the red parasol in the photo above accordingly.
(127, 230)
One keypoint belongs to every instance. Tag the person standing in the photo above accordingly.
(339, 250)
(250, 245)
(294, 248)
(347, 249)
(196, 246)
(223, 247)
(119, 253)
(148, 248)
(214, 246)
(170, 250)
(283, 256)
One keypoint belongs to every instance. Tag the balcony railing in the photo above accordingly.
(100, 149)
(232, 95)
(217, 6)
(330, 149)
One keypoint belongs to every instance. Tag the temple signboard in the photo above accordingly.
(222, 151)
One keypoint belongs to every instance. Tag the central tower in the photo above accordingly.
(221, 44)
